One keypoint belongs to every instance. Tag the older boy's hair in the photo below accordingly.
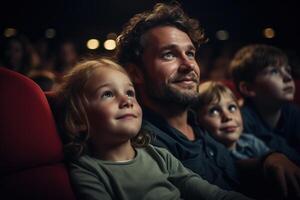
(71, 93)
(212, 91)
(250, 60)
(129, 47)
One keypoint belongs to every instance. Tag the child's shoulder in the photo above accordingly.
(159, 152)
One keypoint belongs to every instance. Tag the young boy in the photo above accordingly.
(262, 75)
(218, 111)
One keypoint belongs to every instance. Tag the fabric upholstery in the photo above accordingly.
(31, 153)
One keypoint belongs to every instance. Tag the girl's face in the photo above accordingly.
(223, 120)
(113, 111)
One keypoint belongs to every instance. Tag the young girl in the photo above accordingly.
(111, 157)
(218, 111)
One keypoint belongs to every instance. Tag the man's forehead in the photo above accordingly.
(166, 37)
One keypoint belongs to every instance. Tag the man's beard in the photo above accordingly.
(166, 94)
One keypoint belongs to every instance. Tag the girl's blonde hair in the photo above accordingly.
(212, 91)
(72, 95)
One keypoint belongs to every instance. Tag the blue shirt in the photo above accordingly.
(249, 146)
(285, 137)
(205, 156)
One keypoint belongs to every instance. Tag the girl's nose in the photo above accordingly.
(126, 101)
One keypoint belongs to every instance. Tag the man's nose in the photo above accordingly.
(187, 64)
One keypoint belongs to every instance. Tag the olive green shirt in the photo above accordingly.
(153, 174)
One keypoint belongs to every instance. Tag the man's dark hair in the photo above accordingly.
(129, 47)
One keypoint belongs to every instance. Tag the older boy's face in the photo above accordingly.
(171, 71)
(223, 120)
(275, 84)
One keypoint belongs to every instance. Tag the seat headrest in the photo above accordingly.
(28, 135)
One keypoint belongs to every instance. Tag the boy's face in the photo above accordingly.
(223, 120)
(170, 66)
(112, 110)
(274, 84)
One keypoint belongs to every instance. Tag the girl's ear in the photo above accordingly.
(246, 89)
(135, 73)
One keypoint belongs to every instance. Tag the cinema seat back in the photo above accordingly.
(31, 154)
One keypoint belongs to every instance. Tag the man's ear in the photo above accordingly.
(135, 73)
(246, 89)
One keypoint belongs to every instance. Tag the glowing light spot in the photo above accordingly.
(50, 33)
(269, 33)
(110, 44)
(93, 44)
(222, 35)
(9, 32)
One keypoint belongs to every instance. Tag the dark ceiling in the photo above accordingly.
(82, 19)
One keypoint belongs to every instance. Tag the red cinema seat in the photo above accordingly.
(31, 154)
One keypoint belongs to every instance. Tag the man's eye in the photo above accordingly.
(131, 93)
(214, 112)
(232, 108)
(168, 56)
(191, 54)
(107, 94)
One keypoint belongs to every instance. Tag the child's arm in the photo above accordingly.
(279, 169)
(275, 168)
(86, 184)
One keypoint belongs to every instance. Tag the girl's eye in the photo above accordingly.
(168, 55)
(214, 112)
(131, 93)
(107, 94)
(232, 108)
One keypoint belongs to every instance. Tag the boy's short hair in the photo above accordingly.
(212, 91)
(129, 48)
(250, 60)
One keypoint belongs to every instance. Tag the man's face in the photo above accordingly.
(170, 69)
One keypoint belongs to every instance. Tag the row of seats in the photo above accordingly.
(31, 153)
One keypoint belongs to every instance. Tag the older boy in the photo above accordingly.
(262, 75)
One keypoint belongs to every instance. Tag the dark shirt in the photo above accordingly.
(285, 137)
(205, 156)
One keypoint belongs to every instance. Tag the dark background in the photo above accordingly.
(80, 20)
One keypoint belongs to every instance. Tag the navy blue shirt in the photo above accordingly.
(205, 156)
(285, 137)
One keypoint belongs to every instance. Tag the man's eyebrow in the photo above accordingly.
(174, 46)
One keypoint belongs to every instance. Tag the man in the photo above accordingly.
(158, 49)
